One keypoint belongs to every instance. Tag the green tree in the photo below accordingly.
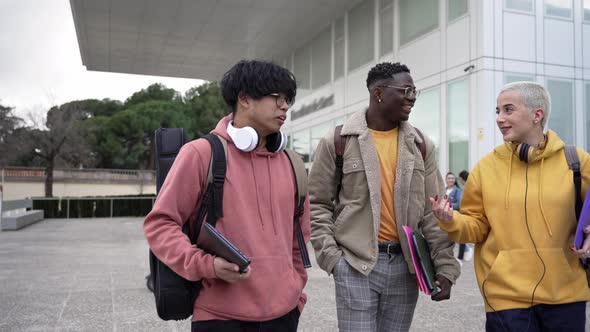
(129, 134)
(205, 108)
(156, 91)
(9, 127)
(63, 143)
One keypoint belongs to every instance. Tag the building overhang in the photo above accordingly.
(194, 38)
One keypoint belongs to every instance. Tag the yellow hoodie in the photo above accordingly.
(521, 248)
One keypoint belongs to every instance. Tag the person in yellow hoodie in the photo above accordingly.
(518, 208)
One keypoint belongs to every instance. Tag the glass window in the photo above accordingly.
(321, 53)
(561, 8)
(302, 67)
(317, 133)
(417, 17)
(339, 48)
(456, 9)
(458, 125)
(361, 34)
(561, 119)
(521, 5)
(301, 144)
(386, 27)
(426, 115)
(509, 78)
(587, 116)
(587, 10)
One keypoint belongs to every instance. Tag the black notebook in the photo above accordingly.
(216, 244)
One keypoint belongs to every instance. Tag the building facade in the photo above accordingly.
(460, 53)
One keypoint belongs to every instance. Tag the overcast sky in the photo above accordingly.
(40, 63)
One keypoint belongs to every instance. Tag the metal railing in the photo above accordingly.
(94, 207)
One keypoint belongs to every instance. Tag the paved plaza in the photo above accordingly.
(89, 275)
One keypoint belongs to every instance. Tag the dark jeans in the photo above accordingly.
(541, 317)
(461, 250)
(286, 323)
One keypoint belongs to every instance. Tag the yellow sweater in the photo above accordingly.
(521, 248)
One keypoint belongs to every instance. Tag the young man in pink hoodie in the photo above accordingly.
(258, 210)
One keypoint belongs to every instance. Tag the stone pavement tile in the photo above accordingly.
(128, 299)
(87, 322)
(87, 302)
(128, 280)
(142, 320)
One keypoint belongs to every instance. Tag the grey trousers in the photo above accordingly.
(382, 301)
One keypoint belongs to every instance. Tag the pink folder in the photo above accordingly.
(419, 275)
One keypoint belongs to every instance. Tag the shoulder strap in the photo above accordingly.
(301, 181)
(573, 161)
(215, 178)
(339, 146)
(421, 146)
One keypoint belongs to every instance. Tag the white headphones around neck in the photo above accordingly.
(246, 139)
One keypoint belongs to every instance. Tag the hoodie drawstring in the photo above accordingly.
(272, 211)
(541, 201)
(256, 191)
(509, 181)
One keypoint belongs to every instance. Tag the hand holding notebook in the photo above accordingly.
(216, 244)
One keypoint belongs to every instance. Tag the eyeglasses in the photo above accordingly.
(409, 91)
(281, 100)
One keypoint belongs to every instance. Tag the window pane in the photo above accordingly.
(317, 133)
(302, 67)
(339, 48)
(509, 78)
(587, 10)
(301, 144)
(417, 17)
(320, 58)
(457, 8)
(522, 5)
(561, 8)
(386, 29)
(587, 116)
(561, 119)
(458, 126)
(361, 34)
(426, 115)
(385, 3)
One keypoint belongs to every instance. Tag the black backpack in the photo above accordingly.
(175, 296)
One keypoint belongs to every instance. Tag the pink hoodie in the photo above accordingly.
(258, 209)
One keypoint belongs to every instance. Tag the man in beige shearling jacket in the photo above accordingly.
(376, 290)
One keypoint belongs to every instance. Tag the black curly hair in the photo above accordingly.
(256, 78)
(384, 71)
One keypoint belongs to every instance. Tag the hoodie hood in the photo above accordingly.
(554, 145)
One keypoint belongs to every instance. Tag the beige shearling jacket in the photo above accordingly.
(350, 227)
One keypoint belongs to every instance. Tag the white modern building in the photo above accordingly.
(460, 53)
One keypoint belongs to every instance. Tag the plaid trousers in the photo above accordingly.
(382, 301)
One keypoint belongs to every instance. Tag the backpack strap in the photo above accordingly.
(215, 180)
(339, 146)
(421, 146)
(573, 161)
(301, 181)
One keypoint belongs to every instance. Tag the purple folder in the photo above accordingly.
(583, 222)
